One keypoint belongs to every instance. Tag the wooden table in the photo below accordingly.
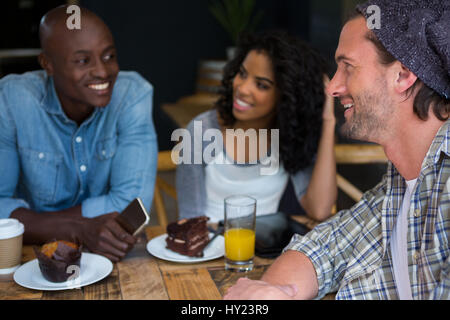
(140, 276)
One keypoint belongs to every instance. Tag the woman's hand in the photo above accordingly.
(321, 193)
(328, 107)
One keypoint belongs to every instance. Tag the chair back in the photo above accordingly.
(356, 154)
(165, 164)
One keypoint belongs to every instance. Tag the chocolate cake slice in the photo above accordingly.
(188, 236)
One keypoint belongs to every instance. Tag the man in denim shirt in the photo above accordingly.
(77, 141)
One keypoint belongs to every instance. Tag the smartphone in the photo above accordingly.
(134, 218)
(274, 232)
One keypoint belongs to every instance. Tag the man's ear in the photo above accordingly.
(404, 78)
(45, 63)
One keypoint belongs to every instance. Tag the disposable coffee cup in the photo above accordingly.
(11, 233)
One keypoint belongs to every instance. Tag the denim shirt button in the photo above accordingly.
(41, 155)
(79, 139)
(83, 168)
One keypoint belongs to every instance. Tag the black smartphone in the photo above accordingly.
(134, 217)
(274, 232)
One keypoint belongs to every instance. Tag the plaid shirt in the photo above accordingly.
(351, 251)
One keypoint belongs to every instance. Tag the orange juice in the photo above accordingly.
(239, 244)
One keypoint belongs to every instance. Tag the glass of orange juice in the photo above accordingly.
(239, 232)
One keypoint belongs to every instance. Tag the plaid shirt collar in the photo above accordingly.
(396, 185)
(439, 145)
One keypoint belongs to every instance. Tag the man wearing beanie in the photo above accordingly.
(394, 82)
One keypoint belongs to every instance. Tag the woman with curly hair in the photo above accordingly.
(277, 82)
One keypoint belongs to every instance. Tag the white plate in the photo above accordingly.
(93, 268)
(157, 247)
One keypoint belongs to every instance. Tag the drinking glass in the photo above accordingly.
(239, 232)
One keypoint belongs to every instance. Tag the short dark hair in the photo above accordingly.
(425, 96)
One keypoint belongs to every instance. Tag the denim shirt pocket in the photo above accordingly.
(40, 173)
(106, 148)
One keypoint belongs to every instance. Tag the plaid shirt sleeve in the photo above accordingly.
(330, 244)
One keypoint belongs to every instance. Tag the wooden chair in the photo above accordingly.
(188, 107)
(165, 164)
(356, 154)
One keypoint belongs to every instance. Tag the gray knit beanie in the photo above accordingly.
(417, 33)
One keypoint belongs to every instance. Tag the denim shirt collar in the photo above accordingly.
(51, 104)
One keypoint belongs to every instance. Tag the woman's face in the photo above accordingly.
(254, 90)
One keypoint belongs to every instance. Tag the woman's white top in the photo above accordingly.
(223, 179)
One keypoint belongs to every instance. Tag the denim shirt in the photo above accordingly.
(49, 163)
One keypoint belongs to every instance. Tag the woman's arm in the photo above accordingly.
(321, 193)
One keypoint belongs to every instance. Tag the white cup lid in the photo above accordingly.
(10, 228)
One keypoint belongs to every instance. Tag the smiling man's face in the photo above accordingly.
(361, 85)
(83, 63)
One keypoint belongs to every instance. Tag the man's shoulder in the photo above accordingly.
(440, 143)
(30, 83)
(132, 85)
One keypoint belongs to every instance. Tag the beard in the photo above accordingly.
(370, 121)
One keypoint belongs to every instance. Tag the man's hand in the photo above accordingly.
(246, 289)
(103, 235)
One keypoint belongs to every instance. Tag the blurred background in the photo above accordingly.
(180, 47)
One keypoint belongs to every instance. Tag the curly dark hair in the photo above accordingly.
(299, 72)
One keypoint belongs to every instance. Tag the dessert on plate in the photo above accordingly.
(188, 236)
(58, 260)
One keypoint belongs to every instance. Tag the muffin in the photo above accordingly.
(55, 257)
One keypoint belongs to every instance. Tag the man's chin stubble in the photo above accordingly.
(356, 132)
